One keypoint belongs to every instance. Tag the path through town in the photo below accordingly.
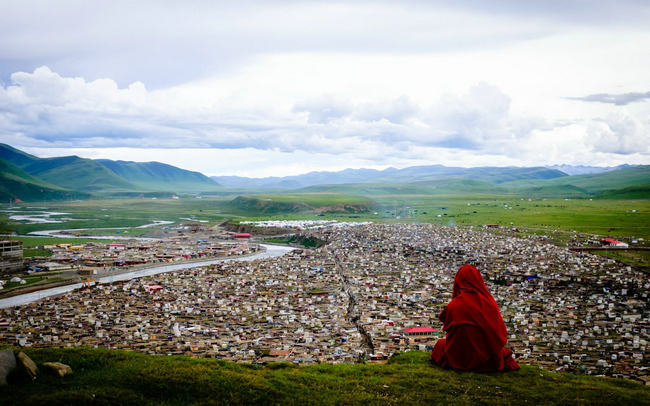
(354, 315)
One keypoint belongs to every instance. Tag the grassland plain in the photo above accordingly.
(103, 377)
(617, 218)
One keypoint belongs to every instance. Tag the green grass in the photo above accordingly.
(608, 217)
(310, 242)
(604, 182)
(602, 217)
(117, 377)
(125, 212)
(305, 202)
(35, 252)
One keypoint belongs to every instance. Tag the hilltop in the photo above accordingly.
(102, 376)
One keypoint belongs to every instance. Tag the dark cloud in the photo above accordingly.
(620, 99)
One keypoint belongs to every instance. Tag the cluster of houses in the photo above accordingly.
(373, 291)
(564, 310)
(93, 258)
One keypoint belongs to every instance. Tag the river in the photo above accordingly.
(270, 252)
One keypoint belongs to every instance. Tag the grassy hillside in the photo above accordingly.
(295, 203)
(628, 193)
(625, 183)
(16, 156)
(106, 177)
(593, 184)
(103, 376)
(18, 184)
(77, 173)
(159, 176)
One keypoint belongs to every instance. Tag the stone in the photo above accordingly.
(58, 368)
(27, 363)
(7, 365)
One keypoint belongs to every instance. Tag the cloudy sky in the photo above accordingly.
(261, 88)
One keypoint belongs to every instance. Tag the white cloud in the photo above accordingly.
(43, 109)
(376, 82)
(620, 134)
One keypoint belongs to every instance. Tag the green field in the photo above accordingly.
(103, 376)
(312, 199)
(606, 217)
(121, 213)
(602, 217)
(35, 252)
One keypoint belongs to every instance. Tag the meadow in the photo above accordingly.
(604, 217)
(102, 376)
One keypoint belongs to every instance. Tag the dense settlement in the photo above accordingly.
(372, 291)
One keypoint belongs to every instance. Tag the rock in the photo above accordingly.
(58, 368)
(7, 365)
(27, 363)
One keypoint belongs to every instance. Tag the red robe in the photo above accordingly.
(475, 329)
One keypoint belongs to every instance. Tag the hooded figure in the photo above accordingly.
(475, 329)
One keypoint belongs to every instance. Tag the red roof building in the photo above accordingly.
(242, 235)
(611, 241)
(153, 288)
(420, 331)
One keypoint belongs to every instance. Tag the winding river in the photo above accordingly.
(270, 252)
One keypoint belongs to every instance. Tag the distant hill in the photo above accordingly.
(412, 174)
(449, 186)
(585, 170)
(15, 183)
(609, 182)
(319, 203)
(159, 176)
(101, 177)
(65, 177)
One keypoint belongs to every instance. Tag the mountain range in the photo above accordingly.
(430, 173)
(29, 178)
(584, 169)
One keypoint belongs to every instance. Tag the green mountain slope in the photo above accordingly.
(77, 173)
(586, 185)
(159, 176)
(107, 177)
(114, 377)
(15, 183)
(16, 156)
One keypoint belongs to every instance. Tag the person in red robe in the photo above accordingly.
(476, 333)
